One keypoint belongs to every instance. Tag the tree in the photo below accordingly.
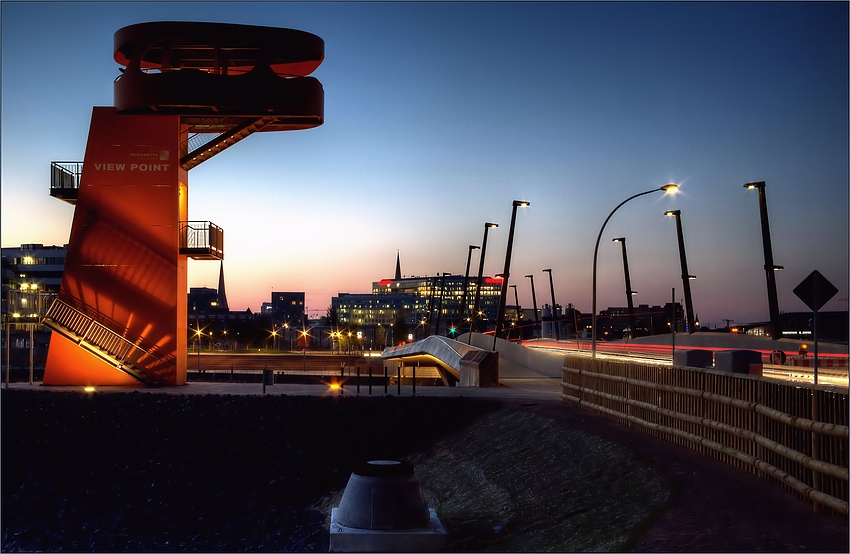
(400, 331)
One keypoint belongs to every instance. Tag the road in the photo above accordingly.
(661, 354)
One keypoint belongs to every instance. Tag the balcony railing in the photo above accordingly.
(65, 180)
(201, 240)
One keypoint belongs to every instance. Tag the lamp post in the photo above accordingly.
(286, 326)
(554, 306)
(198, 344)
(500, 316)
(666, 188)
(475, 309)
(516, 302)
(629, 291)
(534, 303)
(686, 277)
(465, 286)
(769, 267)
(432, 284)
(440, 309)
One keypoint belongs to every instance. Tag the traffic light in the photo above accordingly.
(452, 331)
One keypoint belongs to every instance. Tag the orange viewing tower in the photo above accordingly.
(187, 91)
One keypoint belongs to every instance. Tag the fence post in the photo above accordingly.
(358, 380)
(32, 350)
(414, 378)
(231, 374)
(398, 380)
(386, 380)
(815, 447)
(370, 380)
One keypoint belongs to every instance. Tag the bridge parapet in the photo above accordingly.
(795, 433)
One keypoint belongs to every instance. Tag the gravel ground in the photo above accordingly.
(132, 472)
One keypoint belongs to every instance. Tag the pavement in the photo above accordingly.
(520, 389)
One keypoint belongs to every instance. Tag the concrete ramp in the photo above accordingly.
(517, 361)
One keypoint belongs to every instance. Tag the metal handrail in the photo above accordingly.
(202, 235)
(121, 351)
(65, 175)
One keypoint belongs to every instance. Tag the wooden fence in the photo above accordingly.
(794, 433)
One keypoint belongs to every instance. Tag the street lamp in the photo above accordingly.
(516, 301)
(666, 188)
(475, 308)
(769, 268)
(198, 344)
(629, 291)
(554, 306)
(440, 309)
(686, 277)
(466, 285)
(500, 316)
(536, 316)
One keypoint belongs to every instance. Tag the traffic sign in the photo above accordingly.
(815, 291)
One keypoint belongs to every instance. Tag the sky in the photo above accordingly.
(439, 115)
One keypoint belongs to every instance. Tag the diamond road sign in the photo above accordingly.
(815, 291)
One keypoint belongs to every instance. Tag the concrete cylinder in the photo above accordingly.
(383, 495)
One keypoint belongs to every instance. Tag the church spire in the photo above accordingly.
(397, 265)
(222, 296)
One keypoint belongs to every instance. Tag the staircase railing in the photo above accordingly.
(99, 339)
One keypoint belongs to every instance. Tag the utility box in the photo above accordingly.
(268, 377)
(747, 362)
(693, 358)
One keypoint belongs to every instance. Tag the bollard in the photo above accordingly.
(386, 380)
(358, 379)
(231, 374)
(398, 381)
(370, 380)
(268, 378)
(414, 379)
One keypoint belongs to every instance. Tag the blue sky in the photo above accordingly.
(438, 115)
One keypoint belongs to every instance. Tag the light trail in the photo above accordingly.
(660, 354)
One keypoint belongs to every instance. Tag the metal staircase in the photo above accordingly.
(98, 339)
(223, 141)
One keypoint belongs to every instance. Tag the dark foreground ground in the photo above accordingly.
(139, 472)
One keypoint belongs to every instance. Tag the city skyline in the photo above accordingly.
(438, 116)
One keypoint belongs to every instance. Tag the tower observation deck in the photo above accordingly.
(187, 91)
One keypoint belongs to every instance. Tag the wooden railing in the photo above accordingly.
(795, 433)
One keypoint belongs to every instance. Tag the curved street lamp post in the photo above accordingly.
(666, 188)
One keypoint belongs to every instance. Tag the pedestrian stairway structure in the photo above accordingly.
(187, 91)
(457, 362)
